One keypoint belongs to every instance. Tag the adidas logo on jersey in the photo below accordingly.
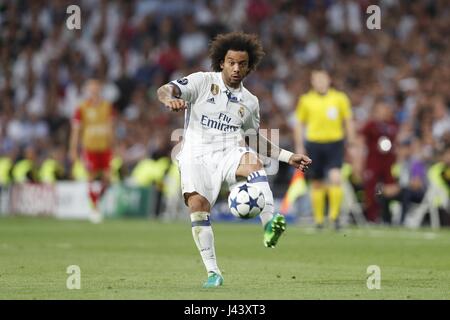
(211, 100)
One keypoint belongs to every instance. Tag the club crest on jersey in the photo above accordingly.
(241, 111)
(183, 81)
(214, 89)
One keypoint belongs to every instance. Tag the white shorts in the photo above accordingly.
(205, 174)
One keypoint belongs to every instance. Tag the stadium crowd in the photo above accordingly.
(135, 46)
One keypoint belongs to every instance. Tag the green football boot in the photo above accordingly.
(214, 280)
(273, 230)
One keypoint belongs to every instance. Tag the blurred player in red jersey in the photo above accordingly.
(380, 134)
(93, 121)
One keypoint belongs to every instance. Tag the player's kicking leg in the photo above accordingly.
(204, 237)
(274, 224)
(98, 164)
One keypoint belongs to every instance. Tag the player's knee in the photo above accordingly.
(254, 167)
(199, 206)
(335, 176)
(245, 170)
(197, 202)
(317, 184)
(249, 163)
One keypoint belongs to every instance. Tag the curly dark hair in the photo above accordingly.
(237, 41)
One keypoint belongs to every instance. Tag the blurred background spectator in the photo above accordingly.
(137, 45)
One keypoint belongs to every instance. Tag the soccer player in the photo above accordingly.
(380, 135)
(93, 121)
(218, 108)
(327, 115)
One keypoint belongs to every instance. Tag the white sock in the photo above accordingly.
(259, 179)
(204, 239)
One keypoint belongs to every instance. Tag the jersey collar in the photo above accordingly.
(233, 94)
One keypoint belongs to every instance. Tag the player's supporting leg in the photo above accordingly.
(204, 237)
(335, 195)
(96, 192)
(274, 225)
(104, 185)
(318, 202)
(372, 208)
(105, 169)
(94, 195)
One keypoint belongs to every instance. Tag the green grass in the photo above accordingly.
(144, 259)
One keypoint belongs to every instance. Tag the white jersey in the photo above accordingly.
(216, 116)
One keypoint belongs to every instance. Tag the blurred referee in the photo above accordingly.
(326, 115)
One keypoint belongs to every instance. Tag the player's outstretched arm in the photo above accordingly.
(168, 94)
(299, 161)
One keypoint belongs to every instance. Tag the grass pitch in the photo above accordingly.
(145, 259)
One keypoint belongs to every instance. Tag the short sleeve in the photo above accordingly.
(191, 86)
(76, 119)
(346, 109)
(253, 120)
(301, 112)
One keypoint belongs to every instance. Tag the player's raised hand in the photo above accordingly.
(175, 104)
(300, 161)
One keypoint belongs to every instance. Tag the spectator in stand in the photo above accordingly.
(411, 172)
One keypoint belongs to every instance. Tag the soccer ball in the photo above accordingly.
(246, 201)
